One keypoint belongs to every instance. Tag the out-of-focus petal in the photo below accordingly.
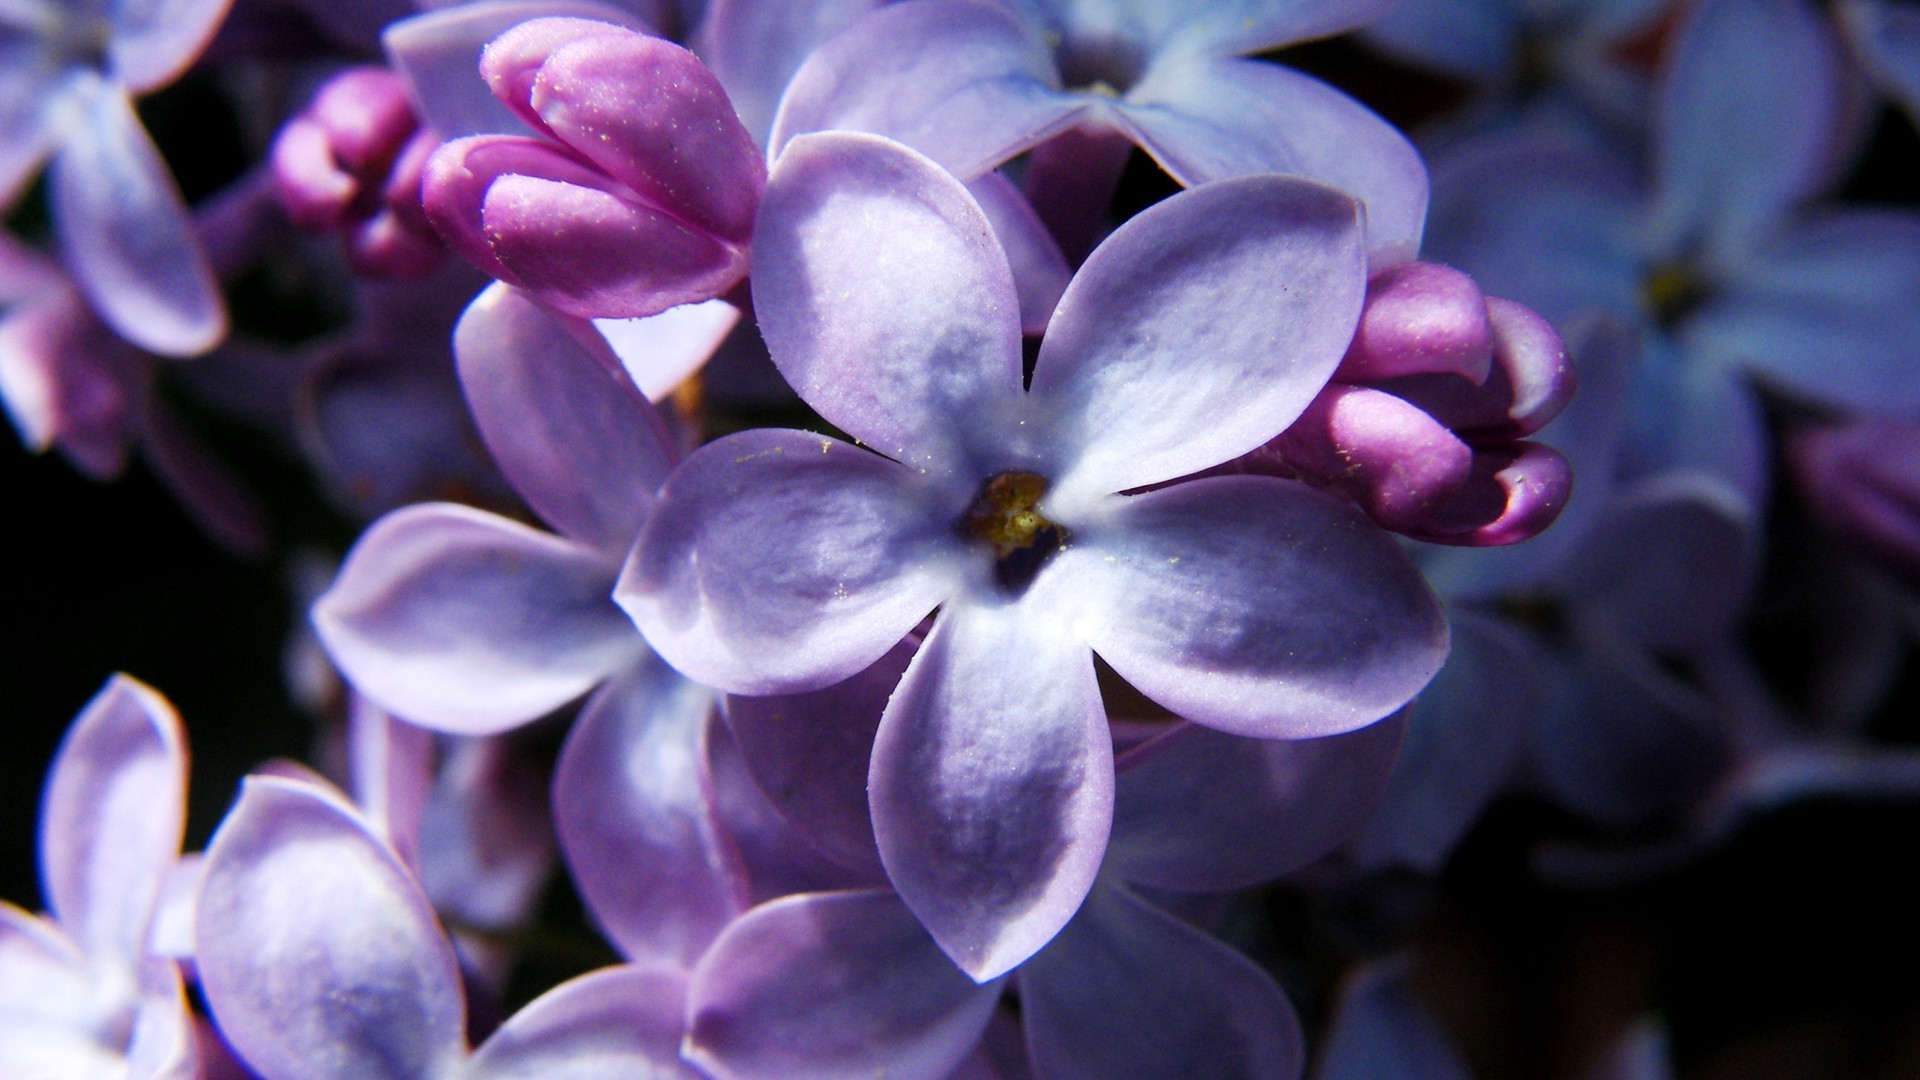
(631, 804)
(126, 233)
(824, 986)
(1232, 26)
(992, 782)
(153, 41)
(961, 81)
(24, 99)
(620, 1023)
(1198, 331)
(1383, 1032)
(1205, 811)
(1750, 121)
(1470, 41)
(50, 1005)
(754, 48)
(163, 1045)
(1214, 118)
(887, 302)
(1128, 990)
(112, 819)
(810, 753)
(1254, 605)
(782, 561)
(320, 958)
(579, 445)
(1887, 38)
(467, 622)
(390, 770)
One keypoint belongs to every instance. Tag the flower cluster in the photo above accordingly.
(988, 539)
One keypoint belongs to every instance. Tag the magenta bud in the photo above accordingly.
(1420, 318)
(308, 181)
(1397, 462)
(511, 63)
(367, 117)
(1512, 493)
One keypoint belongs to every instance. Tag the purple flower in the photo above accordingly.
(83, 992)
(780, 561)
(972, 83)
(68, 73)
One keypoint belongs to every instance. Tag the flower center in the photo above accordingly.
(1672, 291)
(1104, 65)
(1007, 515)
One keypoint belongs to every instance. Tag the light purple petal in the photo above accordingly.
(963, 82)
(631, 804)
(25, 96)
(1199, 810)
(1257, 606)
(810, 752)
(620, 1023)
(467, 622)
(755, 47)
(126, 233)
(486, 844)
(1128, 990)
(886, 301)
(1465, 733)
(439, 53)
(390, 766)
(163, 1045)
(659, 352)
(319, 956)
(825, 986)
(1215, 118)
(774, 859)
(112, 818)
(1198, 331)
(576, 442)
(781, 561)
(1040, 271)
(1750, 120)
(1227, 26)
(51, 1006)
(992, 781)
(153, 41)
(172, 932)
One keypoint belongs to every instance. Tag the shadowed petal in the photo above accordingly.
(1229, 26)
(886, 300)
(1383, 1032)
(1214, 118)
(1040, 271)
(620, 1023)
(824, 986)
(1203, 811)
(1198, 331)
(153, 41)
(754, 48)
(1257, 606)
(467, 622)
(112, 819)
(126, 233)
(1128, 990)
(582, 448)
(781, 561)
(992, 782)
(631, 804)
(319, 956)
(1887, 38)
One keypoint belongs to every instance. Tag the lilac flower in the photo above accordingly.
(320, 958)
(780, 561)
(639, 197)
(68, 71)
(972, 84)
(846, 983)
(1714, 259)
(82, 992)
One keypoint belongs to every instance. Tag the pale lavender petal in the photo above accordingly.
(164, 1045)
(25, 138)
(886, 301)
(773, 857)
(620, 1023)
(153, 41)
(1258, 606)
(172, 932)
(390, 769)
(1886, 36)
(659, 352)
(1750, 121)
(1202, 811)
(1382, 1031)
(1465, 733)
(992, 781)
(825, 986)
(755, 47)
(1040, 271)
(631, 805)
(486, 844)
(1227, 26)
(439, 53)
(967, 84)
(810, 752)
(126, 233)
(575, 441)
(1261, 277)
(1214, 118)
(50, 1005)
(782, 561)
(467, 622)
(319, 956)
(1129, 990)
(112, 819)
